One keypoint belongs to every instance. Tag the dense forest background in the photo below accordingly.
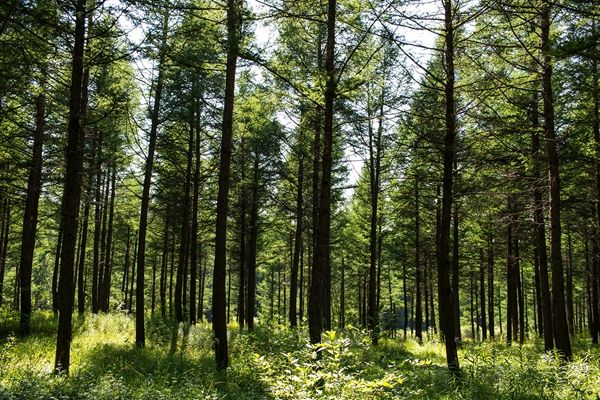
(411, 168)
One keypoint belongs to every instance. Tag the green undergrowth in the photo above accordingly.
(276, 362)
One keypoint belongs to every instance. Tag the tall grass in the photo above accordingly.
(274, 362)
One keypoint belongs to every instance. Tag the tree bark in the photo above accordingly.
(140, 331)
(71, 197)
(252, 251)
(220, 265)
(31, 215)
(297, 244)
(446, 303)
(561, 334)
(324, 217)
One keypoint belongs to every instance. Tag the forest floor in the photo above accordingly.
(275, 362)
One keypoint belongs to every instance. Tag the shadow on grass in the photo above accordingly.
(177, 370)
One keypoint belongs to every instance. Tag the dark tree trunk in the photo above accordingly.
(455, 272)
(194, 244)
(162, 289)
(220, 266)
(5, 213)
(126, 266)
(182, 265)
(140, 330)
(540, 232)
(482, 294)
(82, 253)
(31, 215)
(297, 245)
(252, 251)
(342, 316)
(446, 302)
(595, 312)
(243, 258)
(97, 226)
(490, 255)
(106, 278)
(374, 173)
(71, 197)
(511, 289)
(561, 333)
(569, 287)
(324, 217)
(419, 312)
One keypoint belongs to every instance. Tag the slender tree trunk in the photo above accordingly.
(31, 215)
(140, 331)
(97, 224)
(569, 287)
(243, 257)
(561, 334)
(82, 253)
(324, 217)
(482, 294)
(106, 279)
(298, 245)
(419, 316)
(511, 292)
(194, 244)
(5, 214)
(446, 302)
(220, 266)
(595, 312)
(253, 247)
(71, 197)
(455, 272)
(540, 233)
(185, 229)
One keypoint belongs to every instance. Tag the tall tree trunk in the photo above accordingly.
(106, 279)
(455, 271)
(324, 217)
(185, 228)
(445, 299)
(595, 312)
(243, 258)
(97, 224)
(194, 244)
(140, 331)
(71, 197)
(5, 214)
(220, 266)
(252, 251)
(540, 232)
(82, 253)
(419, 316)
(561, 334)
(297, 244)
(31, 215)
(511, 292)
(482, 294)
(56, 270)
(491, 290)
(569, 287)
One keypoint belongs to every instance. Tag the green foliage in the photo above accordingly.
(276, 362)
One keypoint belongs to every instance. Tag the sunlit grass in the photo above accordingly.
(277, 362)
